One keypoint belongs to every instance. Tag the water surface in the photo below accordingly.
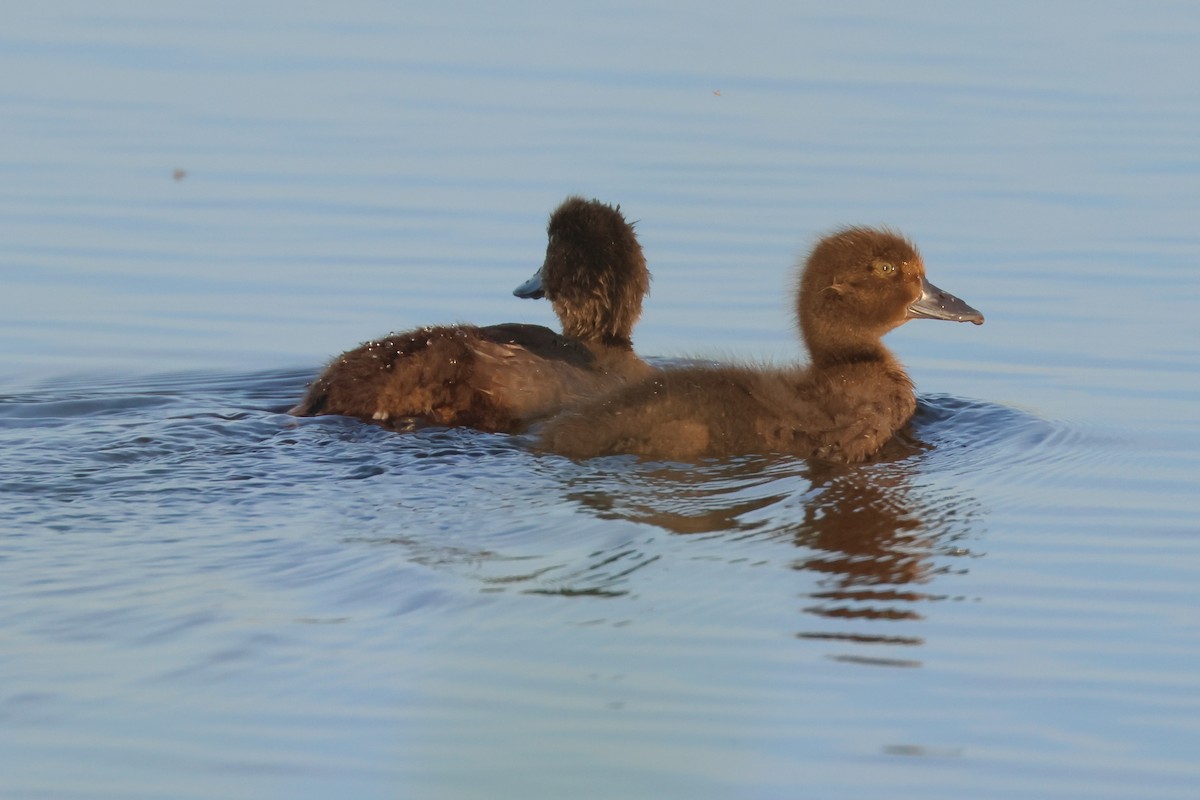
(202, 597)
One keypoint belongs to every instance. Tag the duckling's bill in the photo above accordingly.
(532, 288)
(933, 303)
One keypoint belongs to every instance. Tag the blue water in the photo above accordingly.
(202, 597)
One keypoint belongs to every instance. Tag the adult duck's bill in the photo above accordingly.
(933, 303)
(532, 288)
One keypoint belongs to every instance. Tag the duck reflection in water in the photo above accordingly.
(872, 541)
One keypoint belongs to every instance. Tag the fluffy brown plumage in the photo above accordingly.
(857, 285)
(501, 377)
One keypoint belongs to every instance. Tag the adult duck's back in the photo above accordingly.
(500, 377)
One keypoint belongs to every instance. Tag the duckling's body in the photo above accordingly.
(698, 412)
(501, 377)
(856, 286)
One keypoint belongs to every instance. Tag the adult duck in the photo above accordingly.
(856, 285)
(501, 377)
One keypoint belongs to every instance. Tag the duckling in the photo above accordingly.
(857, 284)
(499, 378)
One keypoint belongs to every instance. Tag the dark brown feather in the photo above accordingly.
(501, 377)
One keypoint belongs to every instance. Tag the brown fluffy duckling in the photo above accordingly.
(501, 377)
(857, 285)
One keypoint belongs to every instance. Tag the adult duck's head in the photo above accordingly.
(860, 283)
(594, 274)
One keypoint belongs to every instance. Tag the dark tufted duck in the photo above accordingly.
(857, 285)
(501, 377)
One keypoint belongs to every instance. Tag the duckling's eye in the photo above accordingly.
(885, 268)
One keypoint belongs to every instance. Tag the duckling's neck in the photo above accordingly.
(865, 370)
(594, 330)
(594, 335)
(834, 341)
(839, 350)
(602, 346)
(617, 342)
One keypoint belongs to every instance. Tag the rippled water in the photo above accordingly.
(203, 597)
(200, 586)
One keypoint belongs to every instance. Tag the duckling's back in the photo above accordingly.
(497, 378)
(843, 416)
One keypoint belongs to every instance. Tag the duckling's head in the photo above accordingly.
(594, 274)
(860, 283)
